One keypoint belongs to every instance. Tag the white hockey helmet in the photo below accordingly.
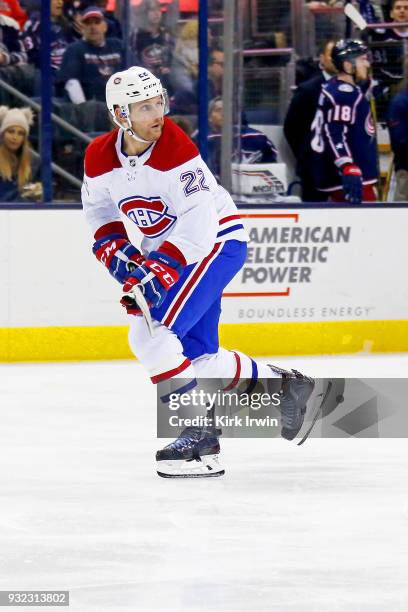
(132, 85)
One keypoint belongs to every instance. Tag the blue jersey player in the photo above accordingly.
(343, 133)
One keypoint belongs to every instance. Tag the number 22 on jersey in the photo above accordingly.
(195, 181)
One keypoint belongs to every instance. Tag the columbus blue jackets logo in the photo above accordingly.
(150, 214)
(369, 125)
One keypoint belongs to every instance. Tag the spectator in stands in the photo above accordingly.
(13, 60)
(184, 69)
(153, 45)
(256, 148)
(17, 167)
(114, 25)
(12, 8)
(11, 49)
(398, 127)
(170, 14)
(152, 32)
(88, 63)
(299, 118)
(62, 35)
(185, 102)
(215, 72)
(399, 14)
(73, 10)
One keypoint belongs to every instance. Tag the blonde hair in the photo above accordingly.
(15, 165)
(189, 31)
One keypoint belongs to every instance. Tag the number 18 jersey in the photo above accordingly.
(343, 132)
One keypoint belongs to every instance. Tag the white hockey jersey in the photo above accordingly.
(168, 192)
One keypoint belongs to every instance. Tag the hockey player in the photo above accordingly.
(193, 244)
(343, 133)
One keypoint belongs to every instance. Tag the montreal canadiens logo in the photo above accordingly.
(150, 214)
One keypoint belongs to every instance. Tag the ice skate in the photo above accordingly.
(194, 454)
(295, 391)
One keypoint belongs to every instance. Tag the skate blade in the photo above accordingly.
(208, 466)
(329, 398)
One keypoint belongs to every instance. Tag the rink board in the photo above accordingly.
(317, 280)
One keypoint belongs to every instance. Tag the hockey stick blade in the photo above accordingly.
(137, 294)
(317, 414)
(352, 13)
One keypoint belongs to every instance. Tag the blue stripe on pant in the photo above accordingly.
(197, 322)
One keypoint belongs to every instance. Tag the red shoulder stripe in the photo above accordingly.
(173, 148)
(101, 156)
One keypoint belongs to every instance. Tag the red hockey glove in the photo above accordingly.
(155, 277)
(117, 254)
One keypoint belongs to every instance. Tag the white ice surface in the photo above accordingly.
(323, 527)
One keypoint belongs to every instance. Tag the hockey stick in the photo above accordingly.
(388, 179)
(137, 294)
(353, 14)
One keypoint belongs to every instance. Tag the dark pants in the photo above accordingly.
(310, 193)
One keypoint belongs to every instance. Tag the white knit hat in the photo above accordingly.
(21, 117)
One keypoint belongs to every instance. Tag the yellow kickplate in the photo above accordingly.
(256, 339)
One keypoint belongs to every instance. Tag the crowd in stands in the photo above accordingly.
(87, 46)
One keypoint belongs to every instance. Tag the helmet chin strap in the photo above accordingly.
(129, 130)
(133, 134)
